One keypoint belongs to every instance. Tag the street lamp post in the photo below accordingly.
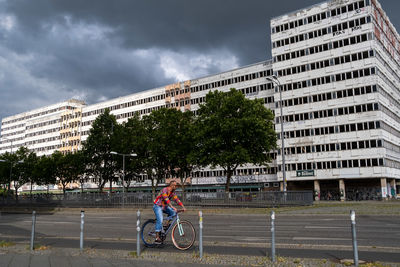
(123, 172)
(274, 79)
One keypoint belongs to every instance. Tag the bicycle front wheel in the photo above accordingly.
(148, 233)
(185, 238)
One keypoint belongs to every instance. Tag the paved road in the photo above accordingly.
(315, 236)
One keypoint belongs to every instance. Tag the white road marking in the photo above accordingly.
(322, 238)
(249, 231)
(325, 227)
(252, 226)
(50, 222)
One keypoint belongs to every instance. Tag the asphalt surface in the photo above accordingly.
(304, 236)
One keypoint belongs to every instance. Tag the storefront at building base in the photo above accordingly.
(349, 189)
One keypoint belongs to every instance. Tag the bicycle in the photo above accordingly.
(183, 233)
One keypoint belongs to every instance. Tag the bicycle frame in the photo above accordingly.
(175, 219)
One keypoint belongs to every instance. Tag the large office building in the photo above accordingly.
(42, 130)
(338, 66)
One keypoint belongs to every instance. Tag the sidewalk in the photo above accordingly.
(60, 258)
(32, 260)
(20, 256)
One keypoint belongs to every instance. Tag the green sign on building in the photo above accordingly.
(304, 173)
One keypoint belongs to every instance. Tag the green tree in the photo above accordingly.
(129, 138)
(45, 171)
(22, 170)
(3, 170)
(30, 163)
(182, 140)
(97, 148)
(79, 167)
(69, 168)
(4, 174)
(232, 131)
(160, 127)
(59, 162)
(5, 167)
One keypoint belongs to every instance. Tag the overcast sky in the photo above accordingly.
(54, 50)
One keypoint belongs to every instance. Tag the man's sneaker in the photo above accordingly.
(158, 238)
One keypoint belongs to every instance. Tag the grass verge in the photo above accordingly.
(5, 244)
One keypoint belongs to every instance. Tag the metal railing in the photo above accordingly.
(199, 199)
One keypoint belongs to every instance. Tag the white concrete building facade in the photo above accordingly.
(338, 64)
(40, 130)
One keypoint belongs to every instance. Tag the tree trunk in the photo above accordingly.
(128, 184)
(16, 192)
(9, 180)
(228, 183)
(149, 173)
(183, 178)
(31, 190)
(228, 179)
(183, 191)
(111, 180)
(102, 184)
(153, 188)
(99, 182)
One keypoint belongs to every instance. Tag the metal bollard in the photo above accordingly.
(138, 234)
(273, 236)
(353, 232)
(33, 230)
(82, 224)
(201, 234)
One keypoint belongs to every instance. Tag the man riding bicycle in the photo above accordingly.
(162, 203)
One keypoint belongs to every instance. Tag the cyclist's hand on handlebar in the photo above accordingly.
(183, 209)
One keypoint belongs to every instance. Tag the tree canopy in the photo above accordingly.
(232, 130)
(229, 131)
(99, 162)
(129, 138)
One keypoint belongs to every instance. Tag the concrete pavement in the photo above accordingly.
(60, 259)
(21, 260)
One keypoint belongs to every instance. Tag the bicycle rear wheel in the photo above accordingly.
(186, 240)
(148, 233)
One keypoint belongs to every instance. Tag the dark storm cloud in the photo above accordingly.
(175, 24)
(52, 50)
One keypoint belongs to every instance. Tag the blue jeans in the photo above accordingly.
(158, 211)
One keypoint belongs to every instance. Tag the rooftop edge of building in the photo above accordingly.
(293, 13)
(72, 100)
(266, 62)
